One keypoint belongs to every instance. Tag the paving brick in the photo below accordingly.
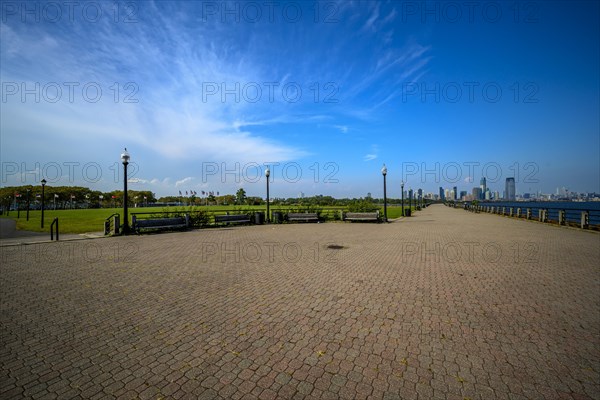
(445, 304)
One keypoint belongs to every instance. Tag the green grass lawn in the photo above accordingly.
(395, 212)
(70, 221)
(92, 220)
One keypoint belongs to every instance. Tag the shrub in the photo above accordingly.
(198, 218)
(362, 206)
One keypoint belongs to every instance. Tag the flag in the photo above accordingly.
(56, 196)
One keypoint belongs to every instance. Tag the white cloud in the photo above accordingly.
(183, 181)
(373, 154)
(342, 128)
(370, 23)
(138, 180)
(171, 115)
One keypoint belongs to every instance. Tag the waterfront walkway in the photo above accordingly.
(446, 304)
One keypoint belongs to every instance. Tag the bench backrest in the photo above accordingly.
(302, 215)
(373, 215)
(237, 217)
(149, 223)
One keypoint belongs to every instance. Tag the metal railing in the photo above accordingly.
(583, 218)
(109, 223)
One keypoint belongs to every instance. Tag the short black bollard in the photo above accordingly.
(54, 225)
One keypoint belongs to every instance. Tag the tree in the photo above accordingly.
(254, 201)
(227, 199)
(240, 196)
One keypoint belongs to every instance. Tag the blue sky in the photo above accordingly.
(204, 94)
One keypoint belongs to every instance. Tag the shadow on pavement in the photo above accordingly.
(8, 230)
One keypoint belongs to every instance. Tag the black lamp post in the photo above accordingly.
(43, 200)
(28, 190)
(410, 200)
(125, 158)
(267, 174)
(384, 173)
(402, 186)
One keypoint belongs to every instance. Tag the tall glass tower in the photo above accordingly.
(483, 186)
(510, 190)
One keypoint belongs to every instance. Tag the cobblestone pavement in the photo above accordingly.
(443, 305)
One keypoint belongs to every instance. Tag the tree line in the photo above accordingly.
(82, 197)
(71, 197)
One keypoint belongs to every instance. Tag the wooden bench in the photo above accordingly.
(159, 223)
(233, 219)
(304, 217)
(362, 216)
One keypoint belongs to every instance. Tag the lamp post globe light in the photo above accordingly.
(267, 174)
(43, 201)
(125, 159)
(402, 201)
(384, 173)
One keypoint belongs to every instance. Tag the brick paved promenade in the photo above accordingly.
(443, 305)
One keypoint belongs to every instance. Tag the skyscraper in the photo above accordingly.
(442, 196)
(455, 193)
(483, 186)
(510, 190)
(476, 193)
